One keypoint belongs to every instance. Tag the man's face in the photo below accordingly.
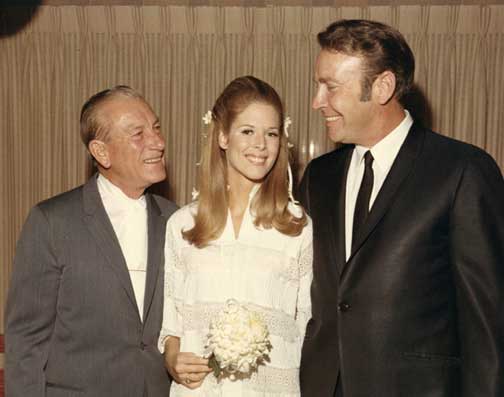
(338, 97)
(134, 149)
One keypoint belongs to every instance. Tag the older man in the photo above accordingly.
(85, 301)
(408, 237)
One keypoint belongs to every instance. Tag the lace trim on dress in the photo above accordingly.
(298, 268)
(172, 256)
(173, 263)
(306, 260)
(267, 379)
(198, 316)
(303, 314)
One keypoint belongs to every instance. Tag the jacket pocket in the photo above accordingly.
(428, 375)
(434, 358)
(56, 390)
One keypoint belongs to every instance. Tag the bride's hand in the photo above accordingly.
(185, 368)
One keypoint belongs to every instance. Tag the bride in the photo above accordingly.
(243, 239)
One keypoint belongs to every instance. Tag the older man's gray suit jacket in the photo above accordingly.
(72, 323)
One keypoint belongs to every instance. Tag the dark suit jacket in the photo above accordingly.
(72, 322)
(416, 311)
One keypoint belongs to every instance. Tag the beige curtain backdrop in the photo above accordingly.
(181, 57)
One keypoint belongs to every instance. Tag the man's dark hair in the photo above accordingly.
(380, 47)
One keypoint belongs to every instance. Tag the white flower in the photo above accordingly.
(194, 194)
(287, 123)
(207, 118)
(238, 339)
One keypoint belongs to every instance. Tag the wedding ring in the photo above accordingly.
(187, 380)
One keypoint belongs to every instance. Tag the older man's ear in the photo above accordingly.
(98, 150)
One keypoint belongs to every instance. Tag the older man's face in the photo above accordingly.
(134, 147)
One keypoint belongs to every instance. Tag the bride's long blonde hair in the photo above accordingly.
(270, 203)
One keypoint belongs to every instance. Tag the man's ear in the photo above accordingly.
(99, 151)
(223, 140)
(384, 87)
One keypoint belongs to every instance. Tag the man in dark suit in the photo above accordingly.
(85, 301)
(408, 237)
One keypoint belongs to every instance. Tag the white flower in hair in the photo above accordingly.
(194, 194)
(287, 123)
(207, 118)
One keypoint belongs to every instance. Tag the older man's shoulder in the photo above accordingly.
(68, 199)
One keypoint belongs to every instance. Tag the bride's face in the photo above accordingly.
(252, 143)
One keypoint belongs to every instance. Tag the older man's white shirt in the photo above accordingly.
(129, 220)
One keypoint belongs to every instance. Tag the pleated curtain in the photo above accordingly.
(181, 57)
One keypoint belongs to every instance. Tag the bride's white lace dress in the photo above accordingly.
(264, 269)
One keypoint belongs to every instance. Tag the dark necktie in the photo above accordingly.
(362, 203)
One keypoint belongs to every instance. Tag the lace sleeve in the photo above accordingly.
(174, 274)
(303, 310)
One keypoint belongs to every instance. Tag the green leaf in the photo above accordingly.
(212, 363)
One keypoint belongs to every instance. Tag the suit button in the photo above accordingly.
(142, 346)
(344, 307)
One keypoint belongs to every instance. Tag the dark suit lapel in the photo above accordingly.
(101, 229)
(339, 210)
(331, 191)
(156, 234)
(402, 166)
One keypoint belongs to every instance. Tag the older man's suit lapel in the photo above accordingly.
(101, 229)
(156, 232)
(402, 166)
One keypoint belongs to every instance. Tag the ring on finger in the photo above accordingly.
(187, 381)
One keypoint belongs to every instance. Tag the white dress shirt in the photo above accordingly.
(129, 220)
(384, 154)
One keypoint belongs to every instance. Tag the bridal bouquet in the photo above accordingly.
(238, 340)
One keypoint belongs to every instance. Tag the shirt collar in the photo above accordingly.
(385, 151)
(109, 191)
